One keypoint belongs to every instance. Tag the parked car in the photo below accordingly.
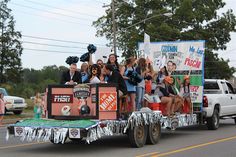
(219, 102)
(13, 103)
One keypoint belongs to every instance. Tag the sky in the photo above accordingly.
(70, 21)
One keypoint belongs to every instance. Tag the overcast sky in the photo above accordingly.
(69, 20)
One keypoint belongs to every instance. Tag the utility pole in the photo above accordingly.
(114, 26)
(113, 9)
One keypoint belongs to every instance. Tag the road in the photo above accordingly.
(194, 141)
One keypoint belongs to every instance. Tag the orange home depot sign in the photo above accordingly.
(107, 101)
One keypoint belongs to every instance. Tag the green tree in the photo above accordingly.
(191, 20)
(10, 47)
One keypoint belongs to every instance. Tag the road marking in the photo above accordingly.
(190, 147)
(22, 145)
(153, 153)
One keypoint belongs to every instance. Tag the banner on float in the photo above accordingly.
(181, 58)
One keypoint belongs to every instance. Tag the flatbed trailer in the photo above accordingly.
(142, 126)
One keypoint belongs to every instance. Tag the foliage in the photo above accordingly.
(35, 81)
(190, 20)
(11, 49)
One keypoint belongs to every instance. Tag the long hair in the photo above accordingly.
(116, 62)
(142, 64)
(95, 66)
(84, 70)
(184, 85)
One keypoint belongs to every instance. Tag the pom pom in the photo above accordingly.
(84, 57)
(72, 59)
(91, 48)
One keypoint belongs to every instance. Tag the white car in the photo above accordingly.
(13, 103)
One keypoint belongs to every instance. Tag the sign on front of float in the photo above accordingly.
(107, 101)
(62, 98)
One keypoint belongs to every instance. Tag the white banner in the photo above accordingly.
(180, 58)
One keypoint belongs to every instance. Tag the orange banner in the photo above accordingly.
(108, 101)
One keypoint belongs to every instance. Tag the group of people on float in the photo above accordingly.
(161, 82)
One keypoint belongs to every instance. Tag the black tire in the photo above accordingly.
(17, 112)
(235, 120)
(138, 136)
(213, 122)
(154, 133)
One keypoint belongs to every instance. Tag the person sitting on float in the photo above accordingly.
(95, 73)
(185, 92)
(165, 96)
(100, 63)
(113, 76)
(178, 101)
(84, 72)
(112, 60)
(71, 76)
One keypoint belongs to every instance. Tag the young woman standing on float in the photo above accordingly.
(113, 61)
(125, 70)
(141, 69)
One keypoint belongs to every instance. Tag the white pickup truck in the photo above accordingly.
(13, 104)
(219, 102)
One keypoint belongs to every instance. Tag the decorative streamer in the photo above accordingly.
(57, 131)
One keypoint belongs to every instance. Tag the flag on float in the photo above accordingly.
(146, 44)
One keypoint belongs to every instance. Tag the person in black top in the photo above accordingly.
(116, 78)
(112, 60)
(71, 76)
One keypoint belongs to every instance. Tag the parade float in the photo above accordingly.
(87, 112)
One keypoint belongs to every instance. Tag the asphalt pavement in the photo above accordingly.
(195, 141)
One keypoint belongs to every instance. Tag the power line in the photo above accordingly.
(50, 12)
(146, 19)
(53, 45)
(66, 41)
(61, 8)
(55, 51)
(54, 18)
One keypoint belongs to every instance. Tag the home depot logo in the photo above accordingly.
(108, 101)
(62, 98)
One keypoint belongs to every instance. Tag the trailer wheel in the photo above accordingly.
(138, 136)
(213, 122)
(154, 133)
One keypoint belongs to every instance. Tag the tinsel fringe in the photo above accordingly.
(109, 127)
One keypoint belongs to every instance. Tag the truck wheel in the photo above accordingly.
(138, 136)
(17, 112)
(235, 120)
(214, 121)
(154, 133)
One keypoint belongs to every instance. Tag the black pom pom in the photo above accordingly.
(72, 60)
(91, 48)
(84, 57)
